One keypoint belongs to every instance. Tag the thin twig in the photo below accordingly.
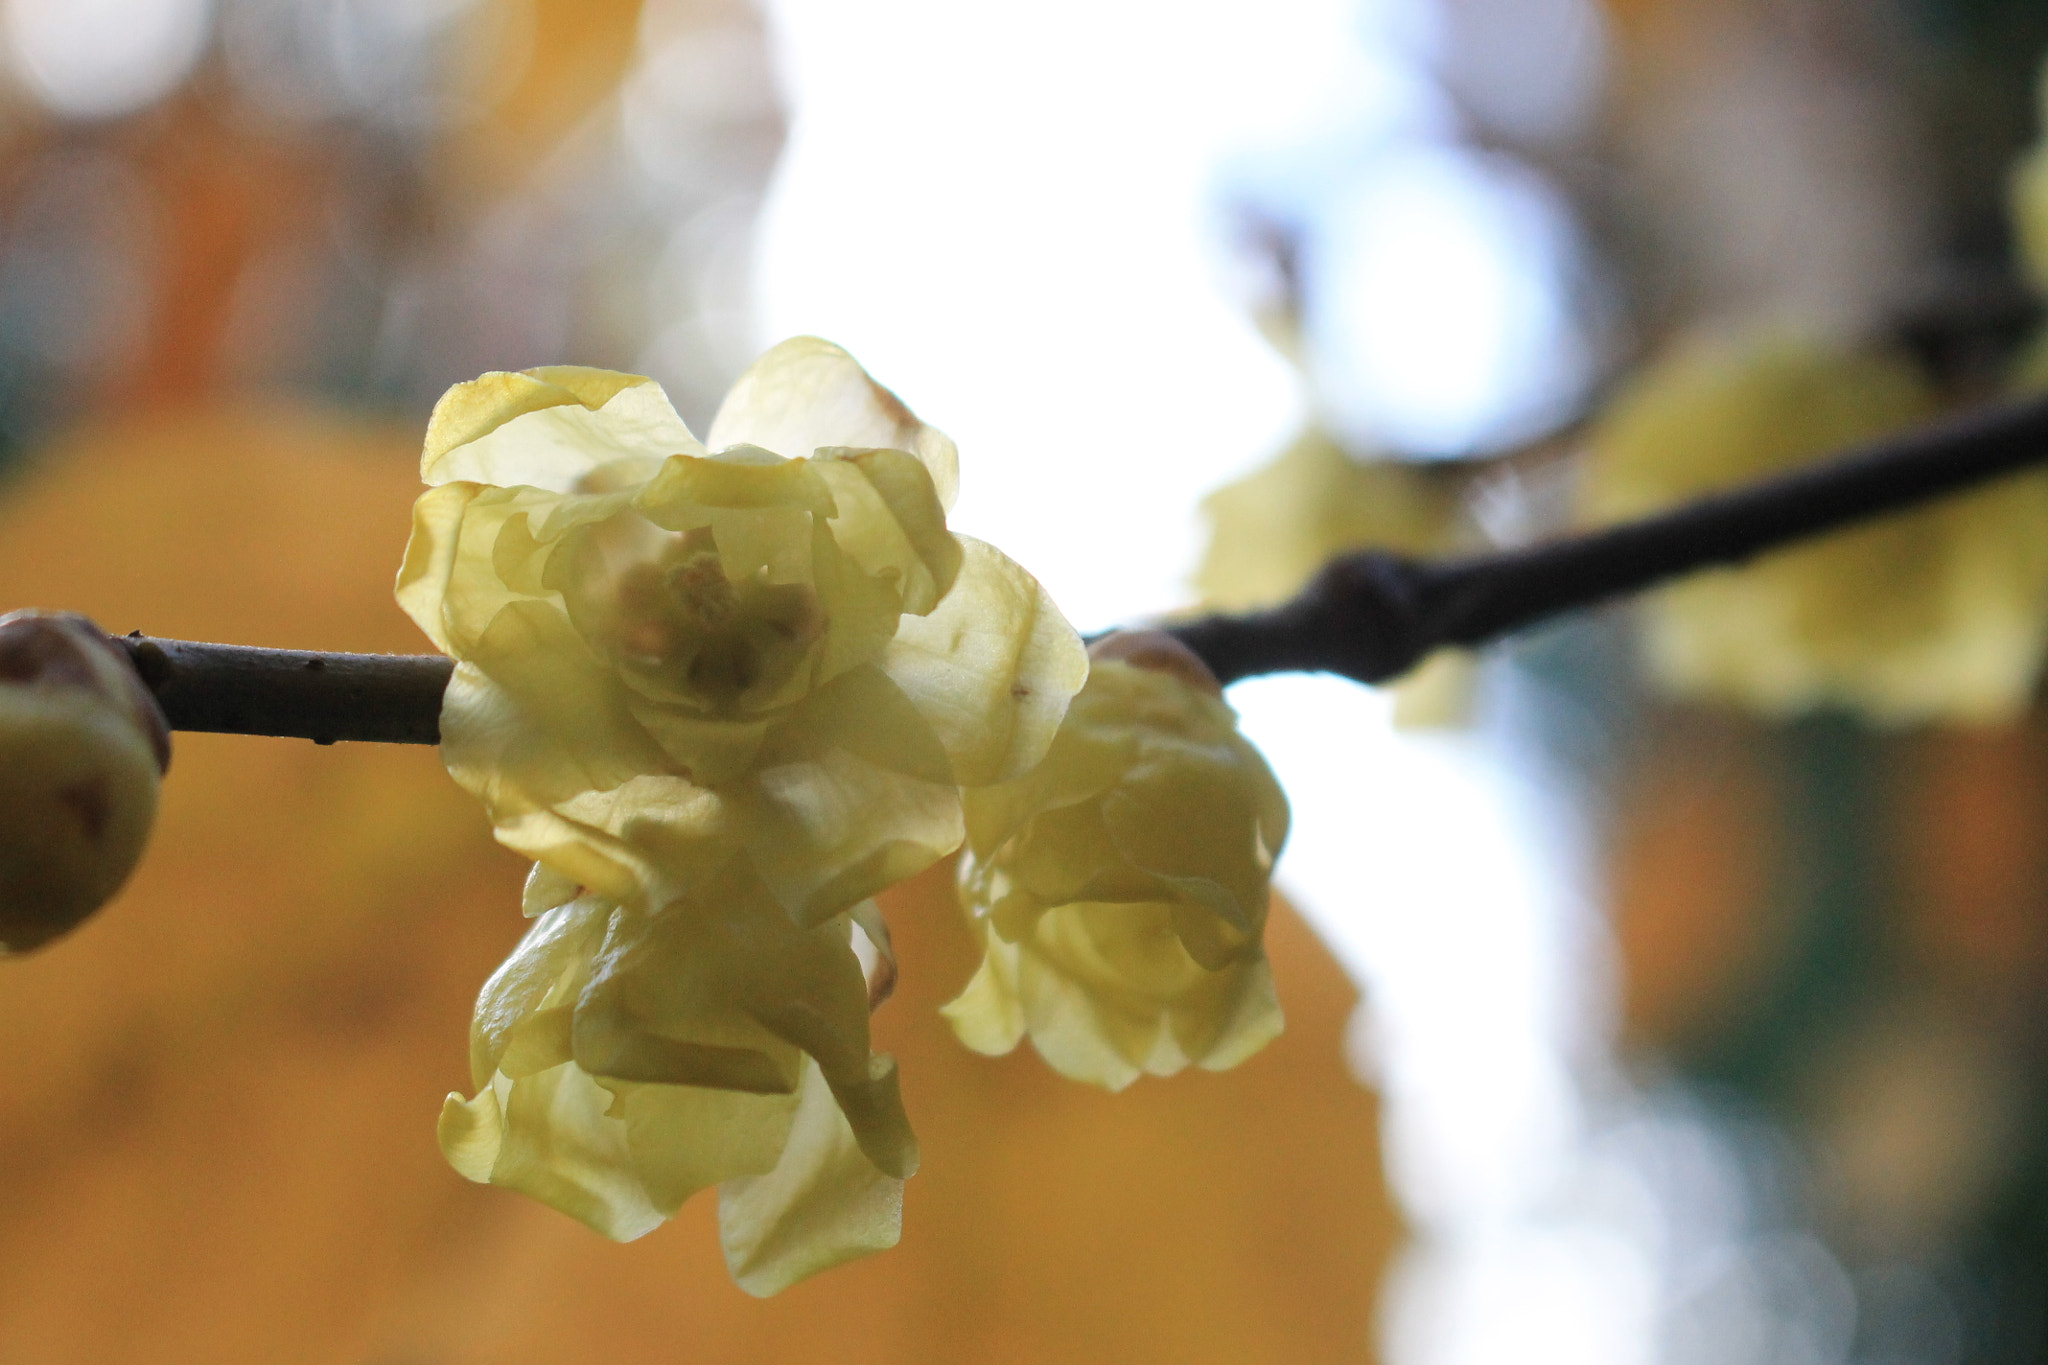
(1373, 616)
(297, 693)
(1368, 616)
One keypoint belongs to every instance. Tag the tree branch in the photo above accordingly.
(296, 693)
(1372, 616)
(1368, 616)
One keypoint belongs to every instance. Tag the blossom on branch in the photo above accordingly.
(1120, 887)
(1940, 613)
(721, 695)
(625, 1060)
(669, 657)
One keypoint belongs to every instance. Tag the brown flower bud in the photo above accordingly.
(82, 750)
(1156, 650)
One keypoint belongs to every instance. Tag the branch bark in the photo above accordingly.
(1368, 616)
(1372, 616)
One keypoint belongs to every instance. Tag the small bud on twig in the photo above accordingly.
(82, 749)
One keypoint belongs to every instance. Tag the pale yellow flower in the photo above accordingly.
(2029, 198)
(626, 1060)
(1936, 614)
(1271, 530)
(1120, 887)
(774, 650)
(82, 749)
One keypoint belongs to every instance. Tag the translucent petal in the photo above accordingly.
(864, 712)
(430, 557)
(1120, 887)
(992, 668)
(987, 1016)
(545, 889)
(685, 483)
(683, 1139)
(889, 522)
(825, 829)
(552, 429)
(536, 717)
(823, 1204)
(545, 972)
(558, 1144)
(806, 394)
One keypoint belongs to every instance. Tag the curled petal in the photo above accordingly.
(1108, 993)
(549, 1136)
(889, 522)
(521, 1024)
(825, 829)
(1120, 887)
(807, 394)
(992, 668)
(552, 428)
(823, 1204)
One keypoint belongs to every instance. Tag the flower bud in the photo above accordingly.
(82, 750)
(1119, 888)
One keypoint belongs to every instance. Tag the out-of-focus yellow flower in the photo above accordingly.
(2029, 203)
(82, 749)
(626, 1060)
(1120, 887)
(2029, 195)
(1935, 614)
(1271, 530)
(670, 657)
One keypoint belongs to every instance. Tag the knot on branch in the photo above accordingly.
(1366, 616)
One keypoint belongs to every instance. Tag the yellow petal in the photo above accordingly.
(823, 1204)
(889, 522)
(1120, 887)
(827, 829)
(546, 971)
(806, 394)
(987, 1016)
(470, 1133)
(992, 668)
(422, 589)
(559, 1145)
(545, 889)
(552, 428)
(683, 1139)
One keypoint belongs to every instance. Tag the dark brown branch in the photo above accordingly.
(300, 694)
(1367, 616)
(1372, 616)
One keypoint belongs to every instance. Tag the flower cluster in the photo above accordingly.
(720, 694)
(1936, 614)
(1120, 887)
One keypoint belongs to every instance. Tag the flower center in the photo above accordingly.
(723, 644)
